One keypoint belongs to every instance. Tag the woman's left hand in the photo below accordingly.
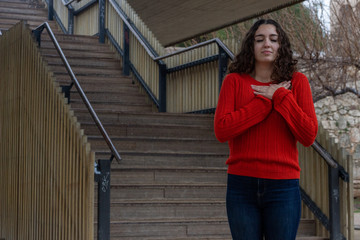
(268, 91)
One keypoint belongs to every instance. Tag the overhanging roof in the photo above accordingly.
(173, 21)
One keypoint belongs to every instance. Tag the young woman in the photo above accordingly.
(265, 107)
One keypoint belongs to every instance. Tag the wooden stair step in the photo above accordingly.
(125, 107)
(196, 228)
(171, 159)
(20, 5)
(169, 176)
(101, 84)
(168, 191)
(108, 116)
(17, 1)
(24, 11)
(189, 229)
(174, 210)
(113, 97)
(21, 16)
(89, 88)
(101, 81)
(61, 37)
(50, 51)
(85, 62)
(83, 70)
(76, 46)
(159, 144)
(150, 129)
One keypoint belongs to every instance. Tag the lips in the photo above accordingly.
(266, 52)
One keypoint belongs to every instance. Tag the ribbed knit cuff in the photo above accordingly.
(279, 95)
(264, 98)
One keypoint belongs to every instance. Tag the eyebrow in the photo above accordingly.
(271, 35)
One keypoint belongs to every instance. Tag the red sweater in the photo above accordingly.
(262, 134)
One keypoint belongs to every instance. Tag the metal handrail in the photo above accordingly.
(67, 3)
(198, 45)
(330, 160)
(93, 114)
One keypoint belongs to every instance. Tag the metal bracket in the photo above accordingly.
(66, 90)
(102, 177)
(37, 34)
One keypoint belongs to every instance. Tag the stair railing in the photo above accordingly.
(335, 170)
(223, 56)
(102, 167)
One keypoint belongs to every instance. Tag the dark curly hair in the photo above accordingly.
(284, 66)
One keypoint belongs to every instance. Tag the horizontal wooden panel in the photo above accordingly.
(175, 21)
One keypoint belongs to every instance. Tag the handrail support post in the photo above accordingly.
(102, 21)
(70, 21)
(162, 86)
(51, 10)
(223, 63)
(102, 176)
(334, 204)
(126, 55)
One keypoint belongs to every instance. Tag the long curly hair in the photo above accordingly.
(284, 66)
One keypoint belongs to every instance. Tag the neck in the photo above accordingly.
(262, 72)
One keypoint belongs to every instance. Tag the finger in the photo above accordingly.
(257, 88)
(288, 85)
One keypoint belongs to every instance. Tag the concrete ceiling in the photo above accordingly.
(175, 21)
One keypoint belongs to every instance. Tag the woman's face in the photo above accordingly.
(266, 44)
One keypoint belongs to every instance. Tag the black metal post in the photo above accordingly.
(334, 202)
(126, 56)
(71, 21)
(102, 21)
(104, 200)
(162, 87)
(51, 9)
(223, 63)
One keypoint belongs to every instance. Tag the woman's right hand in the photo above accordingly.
(268, 91)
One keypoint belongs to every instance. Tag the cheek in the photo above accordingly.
(257, 49)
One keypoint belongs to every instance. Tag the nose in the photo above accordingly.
(267, 42)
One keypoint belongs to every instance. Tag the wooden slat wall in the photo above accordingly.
(62, 13)
(147, 68)
(187, 90)
(145, 31)
(314, 180)
(47, 168)
(87, 23)
(193, 88)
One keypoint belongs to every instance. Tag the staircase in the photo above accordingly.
(171, 182)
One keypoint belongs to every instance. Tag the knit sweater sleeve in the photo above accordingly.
(231, 120)
(297, 108)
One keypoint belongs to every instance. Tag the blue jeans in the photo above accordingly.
(259, 208)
